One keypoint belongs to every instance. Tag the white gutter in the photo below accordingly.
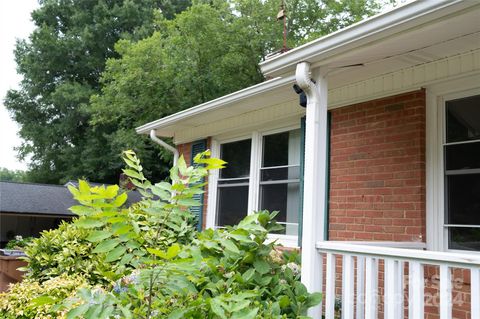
(153, 137)
(406, 17)
(220, 102)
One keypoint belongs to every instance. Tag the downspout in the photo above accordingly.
(165, 145)
(314, 200)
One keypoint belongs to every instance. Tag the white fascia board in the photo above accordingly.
(406, 17)
(220, 102)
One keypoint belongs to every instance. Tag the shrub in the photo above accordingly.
(64, 250)
(31, 299)
(227, 273)
(18, 242)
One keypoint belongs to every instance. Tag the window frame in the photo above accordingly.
(436, 98)
(256, 137)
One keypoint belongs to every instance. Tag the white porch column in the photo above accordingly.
(314, 198)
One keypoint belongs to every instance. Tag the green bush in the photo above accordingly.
(147, 260)
(18, 242)
(64, 250)
(227, 273)
(31, 299)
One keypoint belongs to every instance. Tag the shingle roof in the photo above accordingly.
(43, 199)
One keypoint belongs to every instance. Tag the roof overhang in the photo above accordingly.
(400, 24)
(269, 92)
(414, 34)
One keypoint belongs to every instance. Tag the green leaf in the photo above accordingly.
(157, 252)
(230, 246)
(98, 235)
(115, 254)
(134, 174)
(284, 301)
(43, 300)
(177, 314)
(314, 299)
(83, 186)
(173, 251)
(82, 210)
(245, 314)
(261, 266)
(89, 223)
(248, 275)
(77, 312)
(188, 202)
(120, 200)
(106, 246)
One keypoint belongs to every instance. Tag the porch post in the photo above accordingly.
(314, 200)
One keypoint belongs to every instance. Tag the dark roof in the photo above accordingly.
(43, 199)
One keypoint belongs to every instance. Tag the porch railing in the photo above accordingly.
(362, 266)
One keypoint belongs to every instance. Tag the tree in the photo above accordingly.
(7, 175)
(61, 64)
(209, 50)
(83, 95)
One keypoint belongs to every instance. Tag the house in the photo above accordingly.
(377, 178)
(26, 209)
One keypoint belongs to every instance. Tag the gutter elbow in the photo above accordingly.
(165, 145)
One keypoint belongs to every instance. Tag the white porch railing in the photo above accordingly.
(360, 270)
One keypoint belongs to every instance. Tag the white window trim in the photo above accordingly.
(436, 95)
(254, 184)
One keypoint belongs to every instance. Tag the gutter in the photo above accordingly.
(218, 103)
(407, 17)
(165, 145)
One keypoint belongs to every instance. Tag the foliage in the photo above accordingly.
(61, 63)
(64, 250)
(18, 242)
(31, 299)
(227, 273)
(68, 105)
(147, 260)
(7, 175)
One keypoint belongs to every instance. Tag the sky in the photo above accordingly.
(15, 23)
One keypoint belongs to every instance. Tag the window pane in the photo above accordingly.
(462, 156)
(285, 199)
(463, 199)
(281, 149)
(283, 173)
(237, 156)
(464, 238)
(232, 205)
(463, 119)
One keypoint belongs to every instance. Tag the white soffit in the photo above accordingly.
(407, 28)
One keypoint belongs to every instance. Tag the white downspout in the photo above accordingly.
(153, 137)
(314, 198)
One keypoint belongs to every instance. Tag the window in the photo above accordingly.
(262, 172)
(233, 183)
(280, 178)
(462, 173)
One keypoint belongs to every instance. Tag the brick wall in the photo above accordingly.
(377, 177)
(186, 151)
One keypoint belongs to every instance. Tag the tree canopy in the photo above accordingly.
(94, 70)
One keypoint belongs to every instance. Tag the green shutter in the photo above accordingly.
(302, 170)
(327, 177)
(198, 147)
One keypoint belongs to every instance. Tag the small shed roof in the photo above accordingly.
(39, 199)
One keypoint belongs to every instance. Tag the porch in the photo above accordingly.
(367, 281)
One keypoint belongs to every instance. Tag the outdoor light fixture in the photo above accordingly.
(302, 96)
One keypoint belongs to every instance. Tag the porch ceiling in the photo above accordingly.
(380, 53)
